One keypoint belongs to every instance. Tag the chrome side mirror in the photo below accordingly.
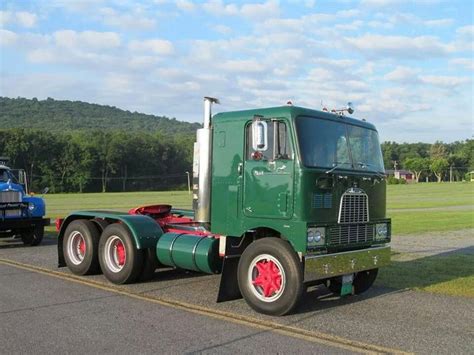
(259, 135)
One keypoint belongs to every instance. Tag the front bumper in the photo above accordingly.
(23, 223)
(324, 266)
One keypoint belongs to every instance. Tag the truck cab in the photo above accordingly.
(314, 178)
(21, 215)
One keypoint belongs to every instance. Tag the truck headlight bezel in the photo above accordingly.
(381, 231)
(315, 236)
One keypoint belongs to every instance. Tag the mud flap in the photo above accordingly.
(229, 287)
(347, 287)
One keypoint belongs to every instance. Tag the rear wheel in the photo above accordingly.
(119, 259)
(270, 276)
(80, 247)
(362, 282)
(33, 237)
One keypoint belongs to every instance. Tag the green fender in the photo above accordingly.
(144, 229)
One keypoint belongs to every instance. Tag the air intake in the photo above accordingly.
(354, 207)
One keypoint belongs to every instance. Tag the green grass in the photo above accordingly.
(421, 222)
(430, 207)
(60, 205)
(450, 274)
(429, 195)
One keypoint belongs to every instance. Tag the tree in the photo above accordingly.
(417, 166)
(438, 151)
(438, 167)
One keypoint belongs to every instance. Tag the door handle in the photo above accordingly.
(239, 168)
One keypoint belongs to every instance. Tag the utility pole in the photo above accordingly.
(189, 183)
(451, 173)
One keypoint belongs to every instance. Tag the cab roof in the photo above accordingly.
(289, 111)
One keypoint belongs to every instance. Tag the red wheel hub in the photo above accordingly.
(82, 247)
(268, 277)
(120, 253)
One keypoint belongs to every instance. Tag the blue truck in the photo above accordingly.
(21, 215)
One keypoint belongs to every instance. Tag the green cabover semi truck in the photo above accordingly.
(283, 197)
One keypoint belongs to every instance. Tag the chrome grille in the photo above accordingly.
(354, 207)
(351, 233)
(10, 196)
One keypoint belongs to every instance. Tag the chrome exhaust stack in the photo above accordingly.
(202, 166)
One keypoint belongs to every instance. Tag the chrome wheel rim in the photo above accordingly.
(115, 254)
(76, 247)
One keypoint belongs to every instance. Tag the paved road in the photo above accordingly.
(398, 319)
(43, 314)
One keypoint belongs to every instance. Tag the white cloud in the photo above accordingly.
(26, 19)
(264, 10)
(399, 46)
(185, 5)
(243, 66)
(156, 46)
(20, 18)
(467, 63)
(439, 22)
(403, 74)
(131, 21)
(86, 39)
(444, 81)
(222, 29)
(466, 31)
(8, 38)
(379, 3)
(218, 8)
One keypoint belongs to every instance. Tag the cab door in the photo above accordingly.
(268, 173)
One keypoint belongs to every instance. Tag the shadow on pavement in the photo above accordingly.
(429, 270)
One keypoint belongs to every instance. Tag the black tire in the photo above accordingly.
(90, 235)
(362, 282)
(291, 281)
(133, 262)
(33, 237)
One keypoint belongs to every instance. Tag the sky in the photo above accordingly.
(407, 66)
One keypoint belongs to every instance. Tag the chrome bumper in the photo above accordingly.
(330, 265)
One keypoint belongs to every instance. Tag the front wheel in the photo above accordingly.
(120, 260)
(270, 276)
(33, 237)
(362, 282)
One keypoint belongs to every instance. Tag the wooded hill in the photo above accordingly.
(62, 115)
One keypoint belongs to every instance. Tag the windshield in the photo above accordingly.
(329, 144)
(4, 175)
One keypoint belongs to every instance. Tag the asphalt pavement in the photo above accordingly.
(62, 315)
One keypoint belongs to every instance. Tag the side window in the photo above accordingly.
(279, 147)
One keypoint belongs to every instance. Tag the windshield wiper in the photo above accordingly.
(366, 165)
(336, 164)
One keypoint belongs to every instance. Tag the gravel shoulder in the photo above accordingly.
(429, 244)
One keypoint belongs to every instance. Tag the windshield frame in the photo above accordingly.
(355, 167)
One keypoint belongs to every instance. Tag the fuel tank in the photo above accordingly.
(190, 252)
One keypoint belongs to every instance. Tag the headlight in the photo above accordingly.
(315, 236)
(31, 206)
(381, 231)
